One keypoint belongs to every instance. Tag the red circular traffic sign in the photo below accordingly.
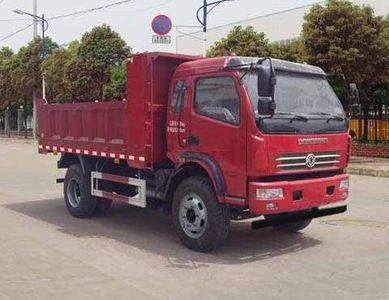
(161, 25)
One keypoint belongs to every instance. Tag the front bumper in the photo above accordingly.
(304, 215)
(311, 193)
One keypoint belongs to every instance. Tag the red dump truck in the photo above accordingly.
(209, 139)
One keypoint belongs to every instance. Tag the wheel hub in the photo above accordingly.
(193, 215)
(74, 193)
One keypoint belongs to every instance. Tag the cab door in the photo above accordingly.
(177, 117)
(218, 128)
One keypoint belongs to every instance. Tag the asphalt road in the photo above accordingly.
(134, 254)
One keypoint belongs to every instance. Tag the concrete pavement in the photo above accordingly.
(134, 254)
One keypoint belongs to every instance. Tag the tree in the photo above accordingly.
(6, 82)
(116, 87)
(54, 69)
(381, 92)
(20, 73)
(5, 53)
(27, 75)
(5, 57)
(99, 50)
(385, 41)
(291, 51)
(344, 38)
(242, 41)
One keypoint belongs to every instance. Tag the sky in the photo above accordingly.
(131, 20)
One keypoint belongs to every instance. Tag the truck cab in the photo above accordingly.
(290, 159)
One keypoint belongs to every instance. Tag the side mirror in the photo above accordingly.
(354, 94)
(266, 106)
(266, 81)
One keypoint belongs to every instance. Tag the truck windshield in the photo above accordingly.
(300, 97)
(299, 94)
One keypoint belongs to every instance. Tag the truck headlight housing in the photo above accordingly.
(344, 184)
(266, 194)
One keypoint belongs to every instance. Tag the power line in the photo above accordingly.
(16, 32)
(258, 17)
(74, 14)
(141, 9)
(81, 12)
(13, 20)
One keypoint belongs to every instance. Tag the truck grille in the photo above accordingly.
(292, 161)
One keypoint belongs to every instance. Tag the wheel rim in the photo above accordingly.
(193, 215)
(74, 193)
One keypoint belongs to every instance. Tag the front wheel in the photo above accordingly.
(201, 222)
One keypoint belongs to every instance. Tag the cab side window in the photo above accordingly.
(178, 98)
(217, 98)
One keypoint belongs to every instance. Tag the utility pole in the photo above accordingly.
(44, 28)
(204, 21)
(45, 25)
(34, 96)
(35, 12)
(205, 27)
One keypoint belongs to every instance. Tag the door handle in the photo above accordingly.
(193, 140)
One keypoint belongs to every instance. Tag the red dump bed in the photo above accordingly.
(133, 129)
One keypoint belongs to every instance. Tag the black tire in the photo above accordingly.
(217, 225)
(102, 206)
(78, 199)
(289, 227)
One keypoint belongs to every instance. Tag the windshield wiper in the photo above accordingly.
(294, 116)
(330, 116)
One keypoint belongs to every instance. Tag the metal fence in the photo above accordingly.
(375, 122)
(377, 130)
(15, 122)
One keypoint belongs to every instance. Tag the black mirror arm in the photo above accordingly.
(251, 67)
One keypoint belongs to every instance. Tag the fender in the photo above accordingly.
(212, 168)
(67, 159)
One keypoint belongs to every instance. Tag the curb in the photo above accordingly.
(366, 171)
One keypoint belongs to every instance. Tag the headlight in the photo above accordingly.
(265, 194)
(344, 184)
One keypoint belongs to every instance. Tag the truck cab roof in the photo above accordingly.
(216, 64)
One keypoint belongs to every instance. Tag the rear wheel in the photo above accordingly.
(78, 199)
(201, 222)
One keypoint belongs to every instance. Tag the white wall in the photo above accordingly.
(278, 26)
